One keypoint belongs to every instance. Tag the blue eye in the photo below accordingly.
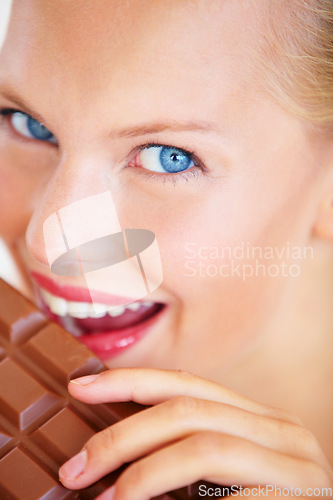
(27, 126)
(164, 159)
(174, 160)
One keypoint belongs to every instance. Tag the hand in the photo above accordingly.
(195, 429)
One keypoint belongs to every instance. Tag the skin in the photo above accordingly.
(266, 178)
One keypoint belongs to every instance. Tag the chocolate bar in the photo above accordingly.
(41, 425)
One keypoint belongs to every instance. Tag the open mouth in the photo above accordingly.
(108, 332)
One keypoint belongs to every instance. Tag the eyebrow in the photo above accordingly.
(11, 96)
(153, 128)
(125, 133)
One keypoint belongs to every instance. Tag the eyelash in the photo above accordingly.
(9, 111)
(6, 113)
(174, 178)
(190, 174)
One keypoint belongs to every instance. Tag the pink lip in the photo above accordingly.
(77, 294)
(106, 344)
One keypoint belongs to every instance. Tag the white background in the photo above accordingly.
(8, 270)
(4, 15)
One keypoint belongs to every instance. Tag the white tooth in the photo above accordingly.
(56, 304)
(78, 309)
(59, 306)
(83, 310)
(98, 310)
(148, 303)
(47, 296)
(117, 311)
(134, 306)
(99, 313)
(79, 315)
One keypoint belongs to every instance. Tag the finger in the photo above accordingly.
(219, 459)
(152, 386)
(175, 419)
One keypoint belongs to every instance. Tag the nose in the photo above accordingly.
(76, 232)
(75, 179)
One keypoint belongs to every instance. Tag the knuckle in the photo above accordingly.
(306, 442)
(306, 437)
(284, 415)
(281, 414)
(296, 437)
(206, 444)
(317, 476)
(184, 374)
(132, 479)
(107, 441)
(184, 407)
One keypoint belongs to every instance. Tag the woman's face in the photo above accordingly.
(112, 79)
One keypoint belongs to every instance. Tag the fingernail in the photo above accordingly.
(74, 467)
(89, 379)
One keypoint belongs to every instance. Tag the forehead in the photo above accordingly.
(85, 21)
(106, 46)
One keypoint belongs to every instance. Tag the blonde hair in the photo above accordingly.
(298, 57)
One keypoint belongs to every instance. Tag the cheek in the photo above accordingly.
(193, 230)
(225, 298)
(22, 179)
(15, 206)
